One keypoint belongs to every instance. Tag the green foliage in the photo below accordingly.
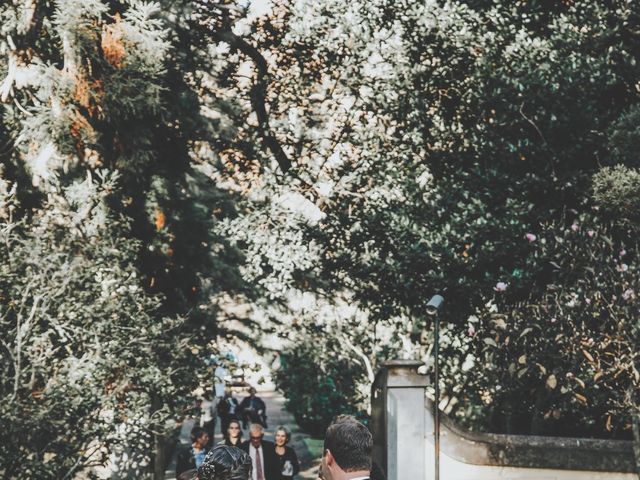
(617, 191)
(319, 383)
(436, 140)
(563, 360)
(624, 138)
(84, 355)
(109, 256)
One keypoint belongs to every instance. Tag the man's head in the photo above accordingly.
(256, 432)
(199, 437)
(252, 392)
(225, 462)
(347, 449)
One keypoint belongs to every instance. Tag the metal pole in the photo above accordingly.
(436, 413)
(433, 309)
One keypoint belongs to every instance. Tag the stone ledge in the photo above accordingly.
(531, 451)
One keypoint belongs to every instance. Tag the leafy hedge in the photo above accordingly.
(319, 384)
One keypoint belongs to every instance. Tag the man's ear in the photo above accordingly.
(329, 457)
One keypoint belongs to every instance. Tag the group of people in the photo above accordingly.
(270, 460)
(347, 455)
(252, 409)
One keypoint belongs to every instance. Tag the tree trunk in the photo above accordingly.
(635, 422)
(159, 457)
(159, 444)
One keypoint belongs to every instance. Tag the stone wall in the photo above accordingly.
(402, 425)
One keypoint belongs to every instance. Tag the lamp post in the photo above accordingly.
(433, 309)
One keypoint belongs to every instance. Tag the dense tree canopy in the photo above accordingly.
(326, 165)
(448, 147)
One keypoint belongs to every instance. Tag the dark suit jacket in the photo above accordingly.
(258, 405)
(185, 459)
(271, 463)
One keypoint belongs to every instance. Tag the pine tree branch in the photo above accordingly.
(24, 35)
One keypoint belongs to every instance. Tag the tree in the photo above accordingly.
(85, 354)
(435, 140)
(106, 91)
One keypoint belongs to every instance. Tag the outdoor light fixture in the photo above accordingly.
(433, 309)
(434, 305)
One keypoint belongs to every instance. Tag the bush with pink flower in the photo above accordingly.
(568, 360)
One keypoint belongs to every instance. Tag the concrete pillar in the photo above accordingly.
(399, 420)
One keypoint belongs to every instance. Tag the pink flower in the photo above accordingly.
(553, 320)
(500, 287)
(629, 294)
(623, 267)
(531, 237)
(471, 330)
(591, 233)
(622, 253)
(575, 227)
(587, 301)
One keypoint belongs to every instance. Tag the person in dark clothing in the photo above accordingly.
(188, 475)
(376, 472)
(225, 463)
(253, 410)
(233, 436)
(289, 465)
(263, 455)
(191, 458)
(228, 409)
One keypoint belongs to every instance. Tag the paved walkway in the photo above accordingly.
(308, 450)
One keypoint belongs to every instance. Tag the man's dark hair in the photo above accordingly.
(225, 463)
(350, 443)
(196, 433)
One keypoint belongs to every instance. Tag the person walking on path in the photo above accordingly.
(233, 436)
(225, 463)
(227, 410)
(263, 455)
(220, 375)
(191, 458)
(253, 410)
(347, 450)
(208, 418)
(287, 458)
